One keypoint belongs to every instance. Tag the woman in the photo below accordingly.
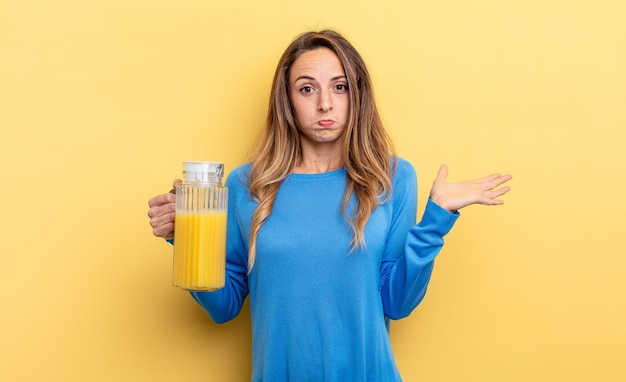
(321, 225)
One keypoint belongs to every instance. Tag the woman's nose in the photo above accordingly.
(325, 101)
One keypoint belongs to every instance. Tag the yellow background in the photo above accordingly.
(101, 101)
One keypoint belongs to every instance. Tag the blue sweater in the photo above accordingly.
(319, 312)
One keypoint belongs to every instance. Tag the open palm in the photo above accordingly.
(454, 196)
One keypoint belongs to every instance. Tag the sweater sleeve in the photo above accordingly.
(225, 304)
(408, 264)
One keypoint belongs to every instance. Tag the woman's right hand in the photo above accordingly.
(162, 212)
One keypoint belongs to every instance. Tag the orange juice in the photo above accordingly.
(200, 250)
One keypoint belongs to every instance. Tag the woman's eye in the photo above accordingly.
(341, 87)
(306, 90)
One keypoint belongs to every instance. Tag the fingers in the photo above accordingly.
(162, 219)
(490, 178)
(442, 174)
(161, 204)
(490, 197)
(489, 190)
(489, 181)
(492, 181)
(160, 200)
(163, 226)
(498, 193)
(162, 212)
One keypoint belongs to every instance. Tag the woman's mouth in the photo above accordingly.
(326, 122)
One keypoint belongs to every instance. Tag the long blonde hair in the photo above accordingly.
(366, 149)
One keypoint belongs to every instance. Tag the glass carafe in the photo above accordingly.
(200, 228)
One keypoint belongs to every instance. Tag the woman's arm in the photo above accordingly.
(406, 271)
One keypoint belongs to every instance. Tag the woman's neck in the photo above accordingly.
(317, 162)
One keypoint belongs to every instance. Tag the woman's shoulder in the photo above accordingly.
(242, 168)
(403, 169)
(238, 178)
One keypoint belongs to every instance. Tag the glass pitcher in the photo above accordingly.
(200, 228)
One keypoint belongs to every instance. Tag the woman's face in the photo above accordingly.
(320, 99)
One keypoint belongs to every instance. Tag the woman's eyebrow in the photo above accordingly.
(307, 77)
(304, 77)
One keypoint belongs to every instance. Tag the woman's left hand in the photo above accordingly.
(454, 196)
